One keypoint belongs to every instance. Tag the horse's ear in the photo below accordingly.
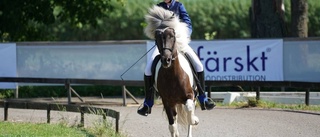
(157, 44)
(157, 41)
(174, 32)
(173, 15)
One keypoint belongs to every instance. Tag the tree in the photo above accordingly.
(299, 28)
(267, 19)
(19, 20)
(299, 18)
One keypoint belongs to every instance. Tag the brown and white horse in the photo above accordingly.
(174, 79)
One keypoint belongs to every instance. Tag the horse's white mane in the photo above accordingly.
(158, 16)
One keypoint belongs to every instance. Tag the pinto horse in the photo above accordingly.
(174, 78)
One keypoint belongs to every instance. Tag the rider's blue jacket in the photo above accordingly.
(180, 10)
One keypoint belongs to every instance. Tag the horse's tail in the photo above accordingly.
(182, 115)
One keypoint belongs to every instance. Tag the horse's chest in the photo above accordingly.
(172, 82)
(176, 80)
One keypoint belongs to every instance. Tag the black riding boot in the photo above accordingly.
(149, 96)
(203, 99)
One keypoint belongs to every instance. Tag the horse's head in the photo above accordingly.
(166, 43)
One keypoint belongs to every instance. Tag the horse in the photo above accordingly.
(174, 79)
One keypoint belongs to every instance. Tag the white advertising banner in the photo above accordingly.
(8, 67)
(241, 60)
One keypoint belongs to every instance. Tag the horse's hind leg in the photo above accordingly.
(190, 107)
(173, 121)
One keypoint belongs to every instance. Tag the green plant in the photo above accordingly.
(252, 102)
(209, 36)
(102, 127)
(61, 91)
(6, 93)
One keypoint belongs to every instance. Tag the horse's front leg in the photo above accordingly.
(190, 108)
(189, 130)
(173, 123)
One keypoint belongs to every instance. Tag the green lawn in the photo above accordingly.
(52, 130)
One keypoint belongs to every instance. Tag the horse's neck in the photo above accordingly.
(180, 67)
(181, 64)
(176, 63)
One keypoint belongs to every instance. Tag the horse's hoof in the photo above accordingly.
(195, 120)
(144, 111)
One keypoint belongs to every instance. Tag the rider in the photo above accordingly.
(179, 10)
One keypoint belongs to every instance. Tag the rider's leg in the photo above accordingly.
(149, 97)
(203, 99)
(148, 86)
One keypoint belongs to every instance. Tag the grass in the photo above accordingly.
(54, 130)
(100, 128)
(42, 129)
(252, 102)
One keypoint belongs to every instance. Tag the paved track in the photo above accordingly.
(219, 122)
(225, 123)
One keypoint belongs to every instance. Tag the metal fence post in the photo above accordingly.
(307, 99)
(6, 106)
(48, 113)
(124, 95)
(67, 85)
(82, 116)
(258, 94)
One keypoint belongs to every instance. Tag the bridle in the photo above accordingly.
(163, 39)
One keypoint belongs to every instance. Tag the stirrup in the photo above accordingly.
(210, 100)
(145, 110)
(207, 105)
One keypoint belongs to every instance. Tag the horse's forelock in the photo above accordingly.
(158, 16)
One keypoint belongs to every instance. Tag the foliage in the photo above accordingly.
(6, 93)
(252, 102)
(61, 91)
(124, 23)
(59, 20)
(209, 36)
(314, 18)
(42, 91)
(15, 16)
(228, 18)
(27, 20)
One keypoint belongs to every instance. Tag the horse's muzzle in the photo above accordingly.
(166, 61)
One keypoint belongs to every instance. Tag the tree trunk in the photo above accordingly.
(299, 18)
(267, 20)
(299, 28)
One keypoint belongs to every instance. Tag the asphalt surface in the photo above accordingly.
(219, 122)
